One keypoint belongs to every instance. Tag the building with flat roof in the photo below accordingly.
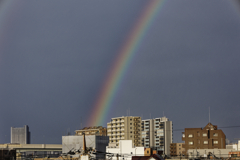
(76, 142)
(96, 130)
(176, 149)
(20, 135)
(157, 134)
(124, 128)
(207, 138)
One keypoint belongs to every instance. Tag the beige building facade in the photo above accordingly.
(176, 149)
(124, 128)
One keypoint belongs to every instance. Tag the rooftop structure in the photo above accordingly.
(96, 130)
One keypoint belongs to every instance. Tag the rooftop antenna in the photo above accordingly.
(209, 114)
(81, 122)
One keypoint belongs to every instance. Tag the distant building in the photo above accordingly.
(124, 128)
(26, 150)
(20, 135)
(157, 134)
(176, 149)
(207, 138)
(234, 146)
(99, 130)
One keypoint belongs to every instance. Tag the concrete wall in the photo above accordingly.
(192, 153)
(76, 142)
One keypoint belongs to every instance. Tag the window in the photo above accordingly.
(205, 142)
(215, 134)
(190, 143)
(204, 134)
(215, 142)
(130, 123)
(130, 127)
(183, 135)
(130, 119)
(198, 134)
(190, 135)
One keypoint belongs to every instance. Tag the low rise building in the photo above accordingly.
(124, 151)
(24, 150)
(208, 137)
(176, 149)
(95, 142)
(97, 130)
(208, 153)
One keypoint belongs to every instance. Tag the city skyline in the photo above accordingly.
(55, 57)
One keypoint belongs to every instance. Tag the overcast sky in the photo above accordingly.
(55, 56)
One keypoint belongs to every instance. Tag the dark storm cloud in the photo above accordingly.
(57, 55)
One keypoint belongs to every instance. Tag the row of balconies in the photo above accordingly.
(115, 134)
(115, 138)
(114, 126)
(114, 130)
(116, 121)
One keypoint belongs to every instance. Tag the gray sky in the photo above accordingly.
(55, 56)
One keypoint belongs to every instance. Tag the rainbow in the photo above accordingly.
(125, 55)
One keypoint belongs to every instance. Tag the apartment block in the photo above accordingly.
(207, 138)
(176, 149)
(96, 130)
(157, 134)
(20, 135)
(124, 128)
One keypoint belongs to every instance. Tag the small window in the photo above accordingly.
(190, 143)
(205, 142)
(215, 142)
(183, 135)
(215, 134)
(130, 119)
(190, 135)
(204, 134)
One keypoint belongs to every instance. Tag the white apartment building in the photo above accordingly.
(157, 134)
(124, 128)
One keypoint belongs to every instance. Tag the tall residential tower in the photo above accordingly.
(157, 134)
(124, 128)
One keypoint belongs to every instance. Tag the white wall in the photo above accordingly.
(125, 150)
